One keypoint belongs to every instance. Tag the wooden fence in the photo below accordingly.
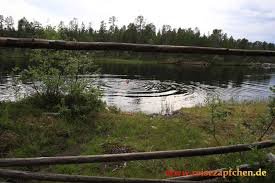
(8, 162)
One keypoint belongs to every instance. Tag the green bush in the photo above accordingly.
(56, 77)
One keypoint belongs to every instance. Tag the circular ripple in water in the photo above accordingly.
(137, 93)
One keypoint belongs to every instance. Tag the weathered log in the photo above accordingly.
(133, 156)
(72, 45)
(78, 178)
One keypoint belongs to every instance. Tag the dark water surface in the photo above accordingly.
(165, 88)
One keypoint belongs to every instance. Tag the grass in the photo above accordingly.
(28, 132)
(34, 133)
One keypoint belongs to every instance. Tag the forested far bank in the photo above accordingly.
(138, 31)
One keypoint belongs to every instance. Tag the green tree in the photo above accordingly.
(102, 32)
(112, 23)
(9, 23)
(140, 23)
(1, 22)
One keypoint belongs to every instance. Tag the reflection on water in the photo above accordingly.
(165, 88)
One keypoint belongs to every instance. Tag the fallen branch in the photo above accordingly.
(134, 156)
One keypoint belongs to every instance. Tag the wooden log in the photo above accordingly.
(72, 45)
(134, 156)
(78, 178)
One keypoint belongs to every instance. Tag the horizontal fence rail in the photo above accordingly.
(73, 45)
(134, 156)
(79, 178)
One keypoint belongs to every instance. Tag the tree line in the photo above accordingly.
(138, 31)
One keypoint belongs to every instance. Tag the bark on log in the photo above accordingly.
(72, 45)
(78, 178)
(133, 156)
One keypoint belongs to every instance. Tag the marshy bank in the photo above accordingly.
(27, 131)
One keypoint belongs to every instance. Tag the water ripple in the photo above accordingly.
(139, 92)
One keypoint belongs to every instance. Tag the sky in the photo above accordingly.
(251, 19)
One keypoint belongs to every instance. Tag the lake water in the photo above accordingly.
(165, 88)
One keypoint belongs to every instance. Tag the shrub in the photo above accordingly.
(56, 78)
(217, 113)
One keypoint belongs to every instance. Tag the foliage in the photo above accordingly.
(29, 131)
(271, 105)
(217, 113)
(56, 79)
